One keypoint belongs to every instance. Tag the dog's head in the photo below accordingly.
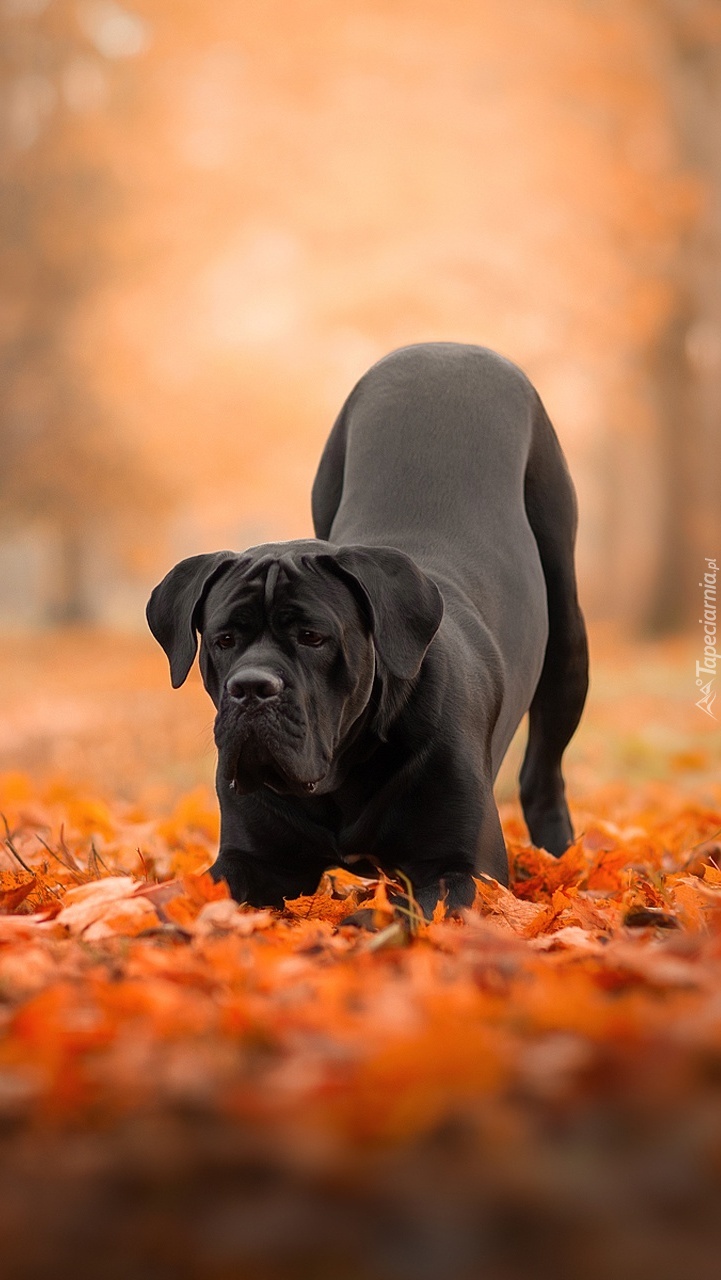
(296, 637)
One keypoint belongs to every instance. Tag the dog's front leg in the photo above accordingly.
(262, 860)
(466, 841)
(262, 881)
(230, 866)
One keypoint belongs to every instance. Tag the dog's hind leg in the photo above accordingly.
(561, 691)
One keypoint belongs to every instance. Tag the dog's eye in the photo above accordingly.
(313, 639)
(225, 641)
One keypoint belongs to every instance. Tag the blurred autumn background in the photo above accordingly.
(213, 218)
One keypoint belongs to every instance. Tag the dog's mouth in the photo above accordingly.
(257, 767)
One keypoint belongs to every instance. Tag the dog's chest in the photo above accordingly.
(348, 823)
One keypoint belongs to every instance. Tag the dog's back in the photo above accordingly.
(429, 455)
(431, 435)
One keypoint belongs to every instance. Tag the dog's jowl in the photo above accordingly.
(368, 681)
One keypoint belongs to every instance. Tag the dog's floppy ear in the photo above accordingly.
(404, 605)
(174, 606)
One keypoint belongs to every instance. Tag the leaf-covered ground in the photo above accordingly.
(193, 1088)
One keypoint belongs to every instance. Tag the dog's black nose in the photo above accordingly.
(254, 682)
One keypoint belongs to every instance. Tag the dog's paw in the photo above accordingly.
(229, 867)
(455, 890)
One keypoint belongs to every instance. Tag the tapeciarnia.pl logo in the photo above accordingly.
(708, 622)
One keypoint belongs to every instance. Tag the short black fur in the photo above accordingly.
(368, 681)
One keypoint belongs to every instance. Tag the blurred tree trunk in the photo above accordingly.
(70, 601)
(67, 465)
(686, 367)
(671, 380)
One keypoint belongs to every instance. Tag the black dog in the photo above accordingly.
(368, 682)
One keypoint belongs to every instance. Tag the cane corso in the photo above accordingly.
(368, 681)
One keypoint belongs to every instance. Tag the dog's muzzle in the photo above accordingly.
(254, 684)
(254, 701)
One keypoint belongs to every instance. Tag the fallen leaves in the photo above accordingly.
(268, 1082)
(212, 1089)
(128, 980)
